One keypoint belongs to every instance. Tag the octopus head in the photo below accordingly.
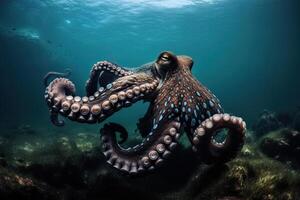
(168, 62)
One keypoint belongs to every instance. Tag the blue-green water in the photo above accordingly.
(245, 51)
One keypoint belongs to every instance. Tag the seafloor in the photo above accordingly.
(35, 165)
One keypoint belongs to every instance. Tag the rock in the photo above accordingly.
(58, 160)
(65, 167)
(266, 122)
(58, 163)
(16, 186)
(296, 121)
(283, 145)
(250, 136)
(285, 118)
(248, 151)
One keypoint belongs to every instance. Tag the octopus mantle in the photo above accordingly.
(178, 104)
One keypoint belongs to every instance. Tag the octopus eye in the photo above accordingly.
(166, 61)
(165, 57)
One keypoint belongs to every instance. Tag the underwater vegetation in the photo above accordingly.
(65, 166)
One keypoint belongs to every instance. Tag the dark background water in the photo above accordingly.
(245, 51)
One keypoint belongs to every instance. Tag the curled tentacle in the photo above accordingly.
(120, 129)
(103, 103)
(53, 75)
(104, 73)
(178, 101)
(212, 151)
(57, 90)
(55, 119)
(151, 153)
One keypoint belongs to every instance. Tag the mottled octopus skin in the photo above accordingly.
(178, 104)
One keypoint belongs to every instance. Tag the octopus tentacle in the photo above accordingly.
(121, 93)
(178, 102)
(212, 151)
(151, 153)
(145, 124)
(104, 72)
(55, 119)
(54, 75)
(58, 88)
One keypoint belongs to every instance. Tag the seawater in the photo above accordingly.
(245, 51)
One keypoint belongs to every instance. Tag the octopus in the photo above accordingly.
(179, 104)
